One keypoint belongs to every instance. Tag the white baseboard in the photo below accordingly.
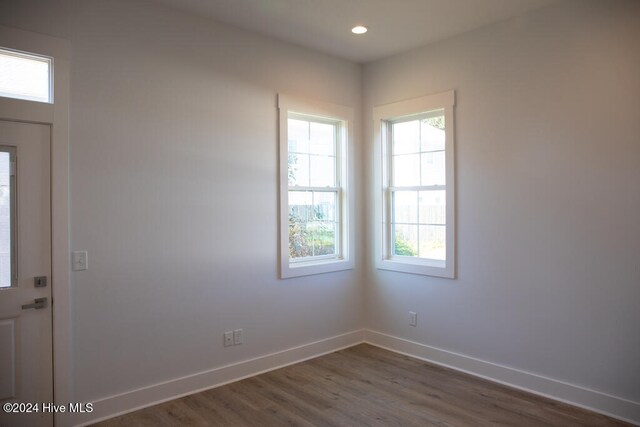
(606, 404)
(133, 400)
(113, 406)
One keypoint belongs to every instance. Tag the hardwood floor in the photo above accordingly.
(362, 386)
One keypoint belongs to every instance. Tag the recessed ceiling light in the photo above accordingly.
(359, 29)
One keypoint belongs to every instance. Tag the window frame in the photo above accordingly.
(384, 116)
(324, 112)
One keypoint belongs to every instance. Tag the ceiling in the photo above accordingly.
(325, 25)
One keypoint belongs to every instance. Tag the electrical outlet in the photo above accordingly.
(228, 338)
(237, 336)
(413, 318)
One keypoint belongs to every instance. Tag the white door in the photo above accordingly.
(25, 265)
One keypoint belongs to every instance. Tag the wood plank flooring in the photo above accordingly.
(362, 386)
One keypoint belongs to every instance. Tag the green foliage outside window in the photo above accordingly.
(436, 122)
(403, 247)
(310, 238)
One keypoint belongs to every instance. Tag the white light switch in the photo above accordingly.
(237, 337)
(80, 260)
(413, 318)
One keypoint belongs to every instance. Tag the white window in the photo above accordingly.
(315, 202)
(415, 204)
(25, 76)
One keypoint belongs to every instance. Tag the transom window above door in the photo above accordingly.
(25, 76)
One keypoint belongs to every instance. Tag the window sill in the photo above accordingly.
(308, 268)
(424, 267)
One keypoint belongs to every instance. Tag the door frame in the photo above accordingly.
(57, 116)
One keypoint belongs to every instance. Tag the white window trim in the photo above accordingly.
(345, 261)
(382, 116)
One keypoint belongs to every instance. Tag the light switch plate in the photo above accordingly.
(237, 337)
(413, 318)
(80, 260)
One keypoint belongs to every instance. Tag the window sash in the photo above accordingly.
(337, 189)
(419, 225)
(391, 188)
(337, 220)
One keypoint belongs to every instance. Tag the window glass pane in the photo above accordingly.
(298, 134)
(405, 207)
(298, 169)
(406, 170)
(24, 76)
(300, 210)
(432, 133)
(433, 168)
(406, 137)
(324, 237)
(432, 242)
(432, 207)
(324, 205)
(5, 220)
(405, 240)
(322, 140)
(322, 171)
(300, 240)
(300, 205)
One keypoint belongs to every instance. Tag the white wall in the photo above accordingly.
(173, 192)
(548, 196)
